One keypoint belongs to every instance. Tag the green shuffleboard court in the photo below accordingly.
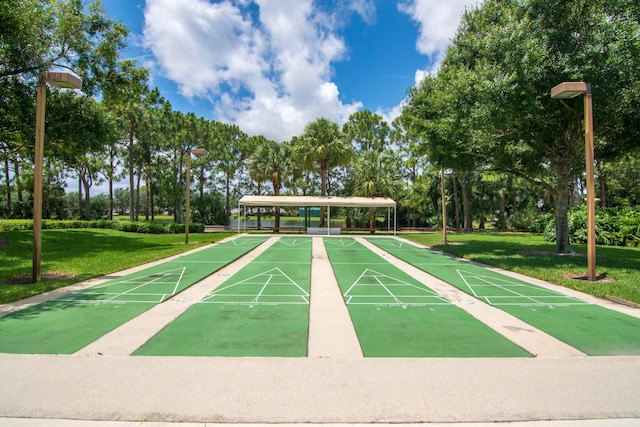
(590, 328)
(263, 310)
(395, 315)
(71, 322)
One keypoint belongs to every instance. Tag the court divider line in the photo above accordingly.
(331, 330)
(521, 333)
(128, 337)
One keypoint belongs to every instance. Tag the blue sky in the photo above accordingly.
(272, 66)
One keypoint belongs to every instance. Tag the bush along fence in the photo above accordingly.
(127, 226)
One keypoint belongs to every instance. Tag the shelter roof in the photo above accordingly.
(301, 201)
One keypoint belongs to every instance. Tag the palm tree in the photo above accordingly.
(322, 144)
(376, 175)
(256, 170)
(272, 160)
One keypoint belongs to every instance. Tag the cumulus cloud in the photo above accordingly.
(265, 68)
(438, 22)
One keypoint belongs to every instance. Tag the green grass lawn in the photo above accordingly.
(617, 267)
(71, 256)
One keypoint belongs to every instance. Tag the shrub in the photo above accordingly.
(614, 226)
(16, 224)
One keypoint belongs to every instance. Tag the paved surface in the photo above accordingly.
(333, 385)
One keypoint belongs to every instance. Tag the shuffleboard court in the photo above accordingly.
(66, 324)
(263, 310)
(395, 315)
(590, 328)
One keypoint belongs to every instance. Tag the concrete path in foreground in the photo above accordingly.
(335, 386)
(18, 422)
(306, 390)
(331, 332)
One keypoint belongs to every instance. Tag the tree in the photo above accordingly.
(256, 170)
(499, 71)
(128, 96)
(376, 174)
(272, 160)
(232, 150)
(36, 35)
(366, 131)
(322, 144)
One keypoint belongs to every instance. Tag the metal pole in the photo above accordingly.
(444, 207)
(41, 98)
(186, 215)
(591, 202)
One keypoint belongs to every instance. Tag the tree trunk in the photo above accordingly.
(177, 199)
(131, 181)
(227, 206)
(372, 220)
(502, 221)
(323, 192)
(564, 182)
(456, 202)
(602, 183)
(152, 207)
(16, 176)
(276, 223)
(80, 210)
(147, 200)
(466, 204)
(259, 224)
(8, 181)
(110, 179)
(138, 196)
(87, 201)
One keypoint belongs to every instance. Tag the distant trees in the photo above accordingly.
(508, 151)
(489, 105)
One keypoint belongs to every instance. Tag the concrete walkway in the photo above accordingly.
(335, 384)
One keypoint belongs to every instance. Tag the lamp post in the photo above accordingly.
(444, 207)
(571, 90)
(187, 215)
(61, 80)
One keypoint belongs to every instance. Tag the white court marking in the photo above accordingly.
(360, 292)
(266, 295)
(486, 288)
(390, 243)
(345, 243)
(295, 242)
(137, 288)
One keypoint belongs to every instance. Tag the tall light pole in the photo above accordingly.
(571, 90)
(187, 215)
(444, 207)
(62, 80)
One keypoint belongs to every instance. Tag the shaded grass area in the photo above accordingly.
(71, 256)
(617, 267)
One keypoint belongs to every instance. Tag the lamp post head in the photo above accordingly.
(569, 90)
(62, 80)
(197, 151)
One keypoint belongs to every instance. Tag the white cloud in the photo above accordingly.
(438, 22)
(269, 73)
(365, 8)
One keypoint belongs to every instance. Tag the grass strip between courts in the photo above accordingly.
(66, 324)
(261, 311)
(589, 328)
(394, 315)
